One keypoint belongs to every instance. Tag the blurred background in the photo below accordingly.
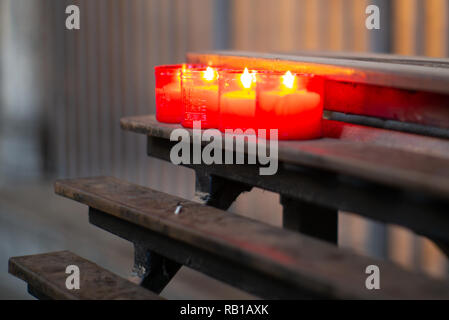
(63, 92)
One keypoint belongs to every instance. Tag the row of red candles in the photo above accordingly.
(240, 99)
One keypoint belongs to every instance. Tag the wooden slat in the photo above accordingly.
(407, 169)
(45, 275)
(387, 138)
(303, 261)
(378, 57)
(413, 77)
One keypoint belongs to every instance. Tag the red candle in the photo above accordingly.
(168, 93)
(200, 97)
(237, 100)
(292, 104)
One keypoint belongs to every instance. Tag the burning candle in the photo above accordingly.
(237, 100)
(292, 104)
(200, 97)
(168, 93)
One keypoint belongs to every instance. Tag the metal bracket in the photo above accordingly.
(155, 270)
(217, 191)
(310, 219)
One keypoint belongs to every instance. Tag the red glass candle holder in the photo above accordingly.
(237, 99)
(290, 103)
(200, 97)
(168, 93)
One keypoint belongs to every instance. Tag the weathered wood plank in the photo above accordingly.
(387, 138)
(427, 77)
(237, 275)
(45, 275)
(393, 164)
(379, 57)
(305, 262)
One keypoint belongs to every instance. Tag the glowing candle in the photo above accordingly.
(237, 100)
(168, 93)
(292, 104)
(200, 97)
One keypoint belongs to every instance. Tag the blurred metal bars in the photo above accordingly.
(335, 25)
(436, 28)
(297, 25)
(405, 28)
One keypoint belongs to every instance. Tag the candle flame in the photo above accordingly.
(247, 79)
(288, 80)
(209, 74)
(181, 71)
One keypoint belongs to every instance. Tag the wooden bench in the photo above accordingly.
(384, 156)
(268, 261)
(46, 278)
